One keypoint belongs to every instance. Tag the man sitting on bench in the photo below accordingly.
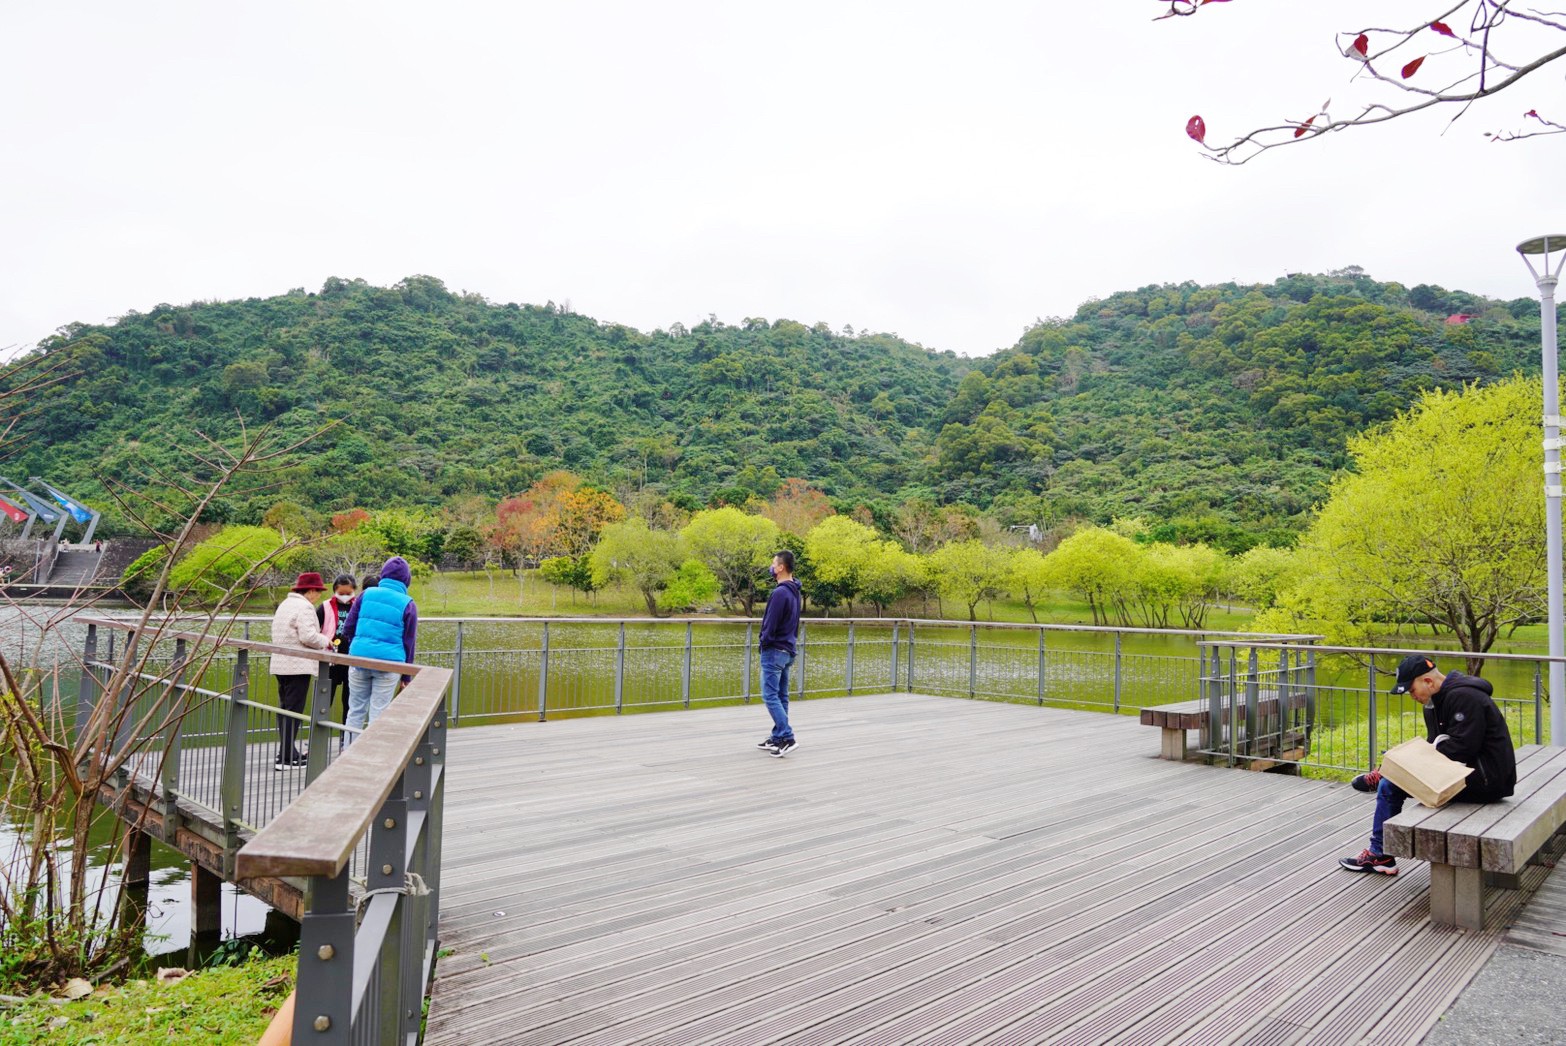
(1461, 720)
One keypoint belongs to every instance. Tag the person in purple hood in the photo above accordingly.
(779, 628)
(384, 623)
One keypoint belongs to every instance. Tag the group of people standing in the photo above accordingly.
(380, 622)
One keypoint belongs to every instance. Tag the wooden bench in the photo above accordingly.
(1175, 719)
(1469, 845)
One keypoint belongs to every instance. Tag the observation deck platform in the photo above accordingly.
(921, 869)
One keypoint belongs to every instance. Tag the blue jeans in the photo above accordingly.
(1389, 803)
(369, 692)
(774, 691)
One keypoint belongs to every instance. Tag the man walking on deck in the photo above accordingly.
(1463, 723)
(779, 627)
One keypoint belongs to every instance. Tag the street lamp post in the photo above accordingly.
(1546, 278)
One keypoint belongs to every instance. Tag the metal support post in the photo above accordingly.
(1117, 672)
(323, 1003)
(320, 715)
(543, 674)
(1234, 696)
(1042, 666)
(801, 672)
(91, 686)
(1371, 760)
(685, 669)
(619, 672)
(169, 771)
(749, 644)
(848, 671)
(1538, 703)
(231, 790)
(456, 679)
(1252, 702)
(973, 660)
(895, 641)
(911, 657)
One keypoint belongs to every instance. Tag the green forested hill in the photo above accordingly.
(1203, 408)
(1213, 405)
(444, 395)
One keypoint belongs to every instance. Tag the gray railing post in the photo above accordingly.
(1252, 701)
(323, 1003)
(973, 660)
(388, 870)
(1538, 704)
(911, 631)
(685, 669)
(1042, 666)
(895, 652)
(1310, 689)
(543, 675)
(1212, 735)
(1373, 762)
(231, 791)
(848, 671)
(619, 672)
(320, 715)
(1117, 673)
(749, 642)
(91, 686)
(801, 672)
(456, 680)
(435, 739)
(171, 741)
(1234, 700)
(125, 701)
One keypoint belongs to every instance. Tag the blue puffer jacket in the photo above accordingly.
(385, 619)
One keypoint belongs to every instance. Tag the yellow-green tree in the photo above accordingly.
(1098, 565)
(636, 554)
(1440, 521)
(1030, 577)
(969, 571)
(735, 547)
(840, 549)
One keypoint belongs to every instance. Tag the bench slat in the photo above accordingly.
(1421, 833)
(1431, 834)
(1527, 826)
(1463, 841)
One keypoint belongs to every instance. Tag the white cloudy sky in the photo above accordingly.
(945, 171)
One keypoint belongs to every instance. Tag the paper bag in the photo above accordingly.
(1427, 775)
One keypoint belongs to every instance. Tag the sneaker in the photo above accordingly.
(783, 748)
(289, 764)
(1370, 862)
(1367, 782)
(769, 745)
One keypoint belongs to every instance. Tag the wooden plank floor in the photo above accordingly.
(920, 870)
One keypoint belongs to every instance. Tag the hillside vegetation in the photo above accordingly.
(1217, 412)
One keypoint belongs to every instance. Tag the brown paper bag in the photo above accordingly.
(1427, 775)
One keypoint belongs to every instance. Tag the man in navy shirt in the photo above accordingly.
(779, 627)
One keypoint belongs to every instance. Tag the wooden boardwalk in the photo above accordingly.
(920, 870)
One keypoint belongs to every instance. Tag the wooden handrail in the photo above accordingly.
(317, 832)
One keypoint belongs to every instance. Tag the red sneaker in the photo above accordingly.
(1370, 862)
(1367, 782)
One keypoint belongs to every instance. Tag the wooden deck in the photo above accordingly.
(921, 870)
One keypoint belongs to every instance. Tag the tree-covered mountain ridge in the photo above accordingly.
(1222, 406)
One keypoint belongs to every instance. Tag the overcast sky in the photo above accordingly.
(948, 172)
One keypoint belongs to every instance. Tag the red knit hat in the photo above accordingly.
(310, 582)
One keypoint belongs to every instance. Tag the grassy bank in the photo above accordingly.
(215, 1006)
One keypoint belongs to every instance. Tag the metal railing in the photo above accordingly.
(1330, 707)
(510, 668)
(202, 749)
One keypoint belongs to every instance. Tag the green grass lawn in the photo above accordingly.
(214, 1006)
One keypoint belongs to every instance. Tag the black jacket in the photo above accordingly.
(780, 622)
(1476, 736)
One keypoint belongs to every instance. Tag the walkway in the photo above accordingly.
(921, 870)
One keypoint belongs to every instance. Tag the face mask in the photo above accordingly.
(345, 600)
(773, 572)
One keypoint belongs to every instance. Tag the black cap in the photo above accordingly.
(1411, 668)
